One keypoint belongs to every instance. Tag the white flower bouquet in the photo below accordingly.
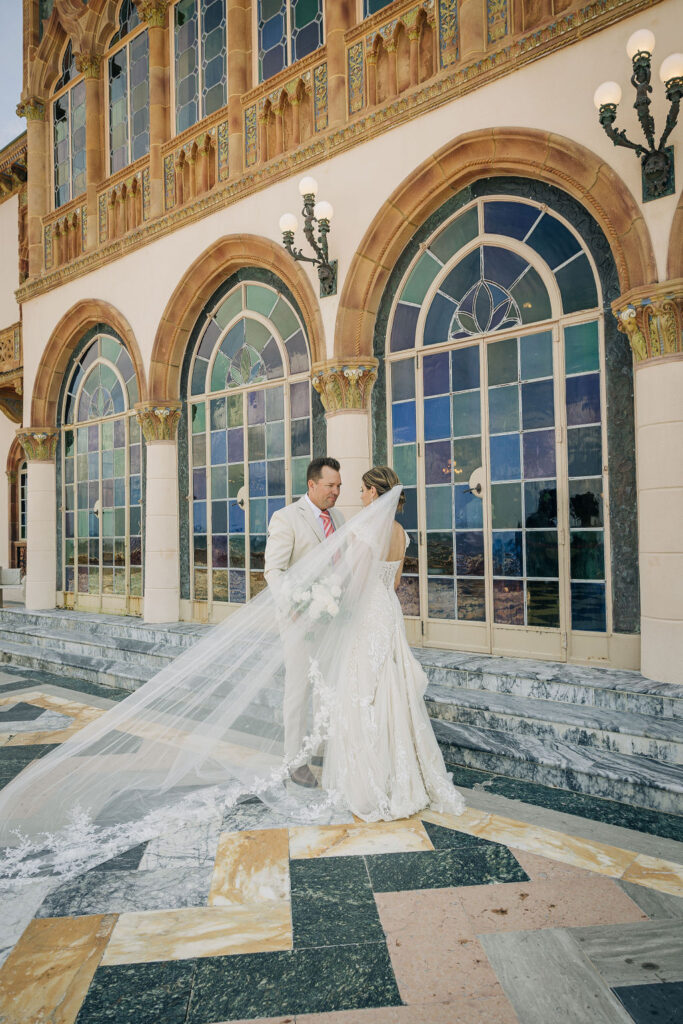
(318, 603)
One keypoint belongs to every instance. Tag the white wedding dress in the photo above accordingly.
(382, 757)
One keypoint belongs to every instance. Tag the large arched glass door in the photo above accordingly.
(249, 433)
(101, 482)
(495, 411)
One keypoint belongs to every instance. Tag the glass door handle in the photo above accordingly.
(474, 490)
(476, 482)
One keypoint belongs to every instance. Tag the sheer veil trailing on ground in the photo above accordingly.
(206, 730)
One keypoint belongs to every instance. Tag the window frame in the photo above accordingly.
(290, 63)
(56, 96)
(172, 71)
(110, 52)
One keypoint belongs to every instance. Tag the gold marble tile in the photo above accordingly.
(402, 836)
(48, 973)
(21, 698)
(664, 875)
(581, 853)
(22, 739)
(470, 821)
(199, 931)
(251, 868)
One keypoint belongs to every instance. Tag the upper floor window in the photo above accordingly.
(287, 31)
(372, 6)
(128, 70)
(68, 132)
(199, 60)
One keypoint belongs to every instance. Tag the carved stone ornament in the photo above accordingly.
(88, 64)
(153, 12)
(345, 385)
(39, 444)
(158, 422)
(652, 320)
(32, 108)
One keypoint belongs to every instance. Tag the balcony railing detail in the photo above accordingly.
(11, 372)
(195, 162)
(124, 204)
(65, 234)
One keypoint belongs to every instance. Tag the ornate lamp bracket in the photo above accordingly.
(317, 216)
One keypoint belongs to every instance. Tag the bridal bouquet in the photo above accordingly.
(319, 603)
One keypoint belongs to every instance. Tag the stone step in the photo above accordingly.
(582, 725)
(138, 652)
(103, 670)
(618, 690)
(178, 635)
(632, 779)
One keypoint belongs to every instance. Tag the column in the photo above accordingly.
(473, 28)
(652, 318)
(154, 12)
(340, 15)
(159, 425)
(345, 390)
(39, 177)
(89, 64)
(40, 445)
(239, 78)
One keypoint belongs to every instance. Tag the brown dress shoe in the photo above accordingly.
(303, 776)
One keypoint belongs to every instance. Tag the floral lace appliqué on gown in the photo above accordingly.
(382, 755)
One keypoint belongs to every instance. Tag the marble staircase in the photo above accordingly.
(591, 730)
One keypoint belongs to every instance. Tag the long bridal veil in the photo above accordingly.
(207, 729)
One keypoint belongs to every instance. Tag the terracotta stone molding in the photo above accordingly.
(153, 12)
(541, 156)
(158, 422)
(60, 345)
(88, 64)
(226, 256)
(15, 457)
(346, 385)
(39, 443)
(652, 320)
(32, 108)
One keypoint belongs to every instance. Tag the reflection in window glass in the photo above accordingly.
(287, 31)
(200, 60)
(68, 134)
(128, 72)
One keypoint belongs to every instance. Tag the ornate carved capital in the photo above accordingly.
(39, 444)
(158, 422)
(345, 385)
(153, 12)
(32, 108)
(652, 319)
(88, 64)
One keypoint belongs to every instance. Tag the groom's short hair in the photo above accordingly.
(315, 468)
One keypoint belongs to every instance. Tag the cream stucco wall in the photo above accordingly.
(554, 93)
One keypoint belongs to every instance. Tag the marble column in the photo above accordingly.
(39, 446)
(239, 78)
(39, 177)
(155, 13)
(652, 319)
(340, 15)
(159, 425)
(89, 64)
(345, 389)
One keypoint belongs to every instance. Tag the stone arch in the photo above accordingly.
(496, 152)
(674, 264)
(15, 457)
(57, 352)
(215, 265)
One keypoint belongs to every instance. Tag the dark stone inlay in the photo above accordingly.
(484, 864)
(302, 981)
(653, 1004)
(448, 839)
(135, 993)
(14, 759)
(129, 860)
(328, 876)
(332, 903)
(31, 677)
(21, 712)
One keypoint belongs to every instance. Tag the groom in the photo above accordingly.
(293, 531)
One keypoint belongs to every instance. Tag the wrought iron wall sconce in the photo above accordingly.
(657, 161)
(316, 215)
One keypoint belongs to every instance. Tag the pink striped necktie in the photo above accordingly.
(328, 525)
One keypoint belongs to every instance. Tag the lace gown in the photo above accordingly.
(382, 757)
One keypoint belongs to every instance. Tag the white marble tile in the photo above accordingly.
(634, 954)
(188, 847)
(19, 905)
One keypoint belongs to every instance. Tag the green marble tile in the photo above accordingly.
(14, 759)
(137, 993)
(330, 876)
(302, 981)
(34, 678)
(442, 869)
(333, 921)
(448, 839)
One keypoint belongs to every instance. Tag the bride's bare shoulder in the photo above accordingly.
(397, 544)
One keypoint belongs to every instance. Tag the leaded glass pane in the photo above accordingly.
(139, 95)
(60, 134)
(272, 37)
(186, 64)
(77, 99)
(128, 20)
(118, 110)
(69, 69)
(214, 78)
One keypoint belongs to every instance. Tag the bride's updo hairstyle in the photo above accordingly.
(383, 478)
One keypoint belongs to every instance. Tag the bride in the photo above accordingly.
(207, 730)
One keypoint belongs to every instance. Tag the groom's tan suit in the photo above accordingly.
(293, 531)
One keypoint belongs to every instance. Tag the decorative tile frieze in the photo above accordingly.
(448, 32)
(320, 97)
(48, 258)
(101, 218)
(10, 348)
(250, 136)
(356, 77)
(223, 165)
(346, 385)
(652, 320)
(39, 443)
(146, 194)
(496, 19)
(158, 422)
(169, 181)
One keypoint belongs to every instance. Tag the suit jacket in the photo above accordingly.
(293, 531)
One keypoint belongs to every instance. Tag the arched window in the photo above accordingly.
(128, 77)
(200, 60)
(68, 132)
(249, 430)
(101, 479)
(496, 398)
(287, 31)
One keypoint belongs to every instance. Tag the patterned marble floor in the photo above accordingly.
(532, 907)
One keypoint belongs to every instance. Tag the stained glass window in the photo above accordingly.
(250, 436)
(102, 474)
(287, 31)
(200, 60)
(372, 6)
(128, 93)
(23, 500)
(68, 134)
